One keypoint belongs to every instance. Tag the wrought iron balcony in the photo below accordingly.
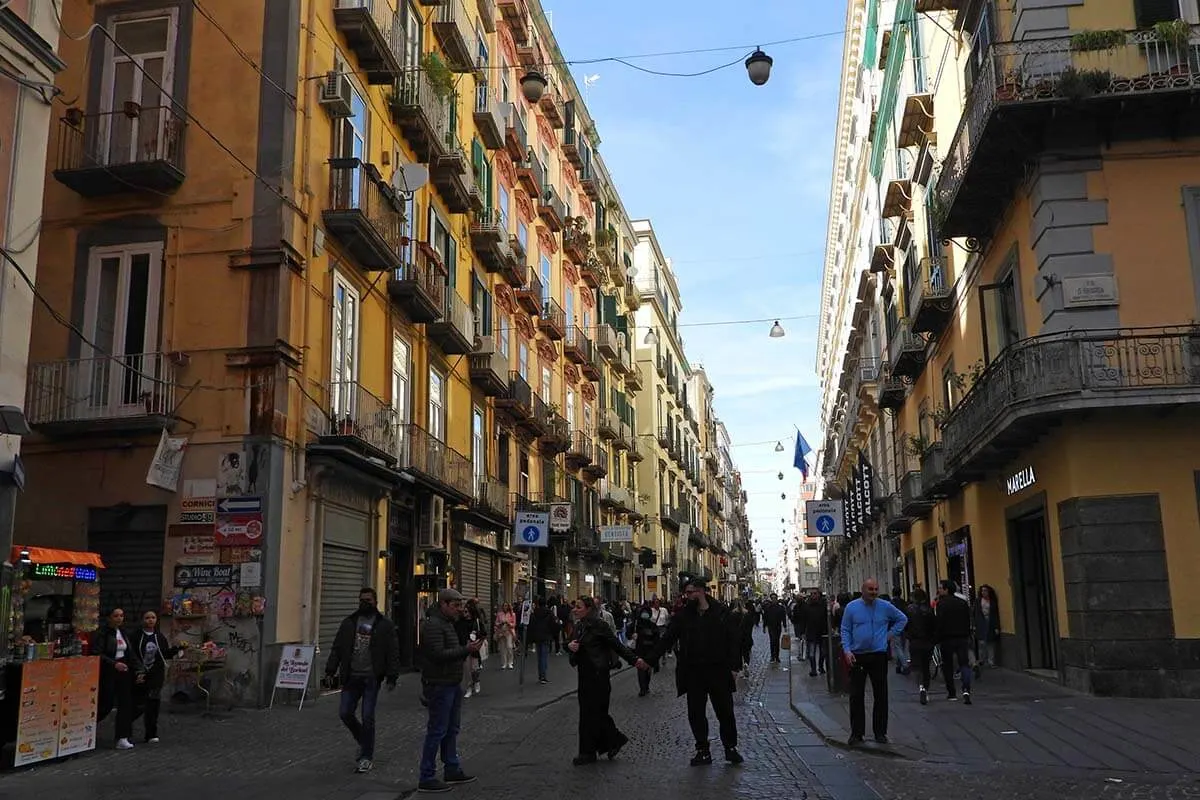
(454, 31)
(914, 502)
(454, 333)
(360, 422)
(451, 174)
(133, 149)
(1048, 89)
(489, 368)
(435, 461)
(487, 14)
(529, 295)
(624, 437)
(577, 347)
(591, 272)
(616, 497)
(894, 519)
(514, 269)
(575, 243)
(936, 482)
(606, 341)
(518, 400)
(666, 438)
(589, 183)
(553, 320)
(622, 364)
(633, 379)
(538, 422)
(491, 498)
(422, 115)
(571, 145)
(551, 208)
(515, 14)
(1036, 381)
(490, 116)
(529, 51)
(579, 452)
(489, 239)
(635, 450)
(364, 214)
(118, 394)
(420, 286)
(371, 30)
(551, 106)
(607, 424)
(930, 297)
(891, 390)
(516, 137)
(591, 367)
(531, 175)
(908, 353)
(928, 6)
(557, 438)
(599, 466)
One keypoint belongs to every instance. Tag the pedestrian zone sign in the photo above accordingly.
(532, 529)
(825, 518)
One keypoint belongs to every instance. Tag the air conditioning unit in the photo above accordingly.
(336, 94)
(433, 532)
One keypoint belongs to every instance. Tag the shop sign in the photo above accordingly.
(198, 545)
(480, 537)
(197, 511)
(611, 534)
(1019, 481)
(193, 575)
(239, 530)
(560, 517)
(295, 666)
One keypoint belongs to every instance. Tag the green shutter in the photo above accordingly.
(489, 187)
(623, 326)
(610, 308)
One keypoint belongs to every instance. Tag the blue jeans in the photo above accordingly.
(543, 656)
(366, 690)
(441, 733)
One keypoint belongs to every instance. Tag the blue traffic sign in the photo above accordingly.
(531, 533)
(531, 529)
(826, 523)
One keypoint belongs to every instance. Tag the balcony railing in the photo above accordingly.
(1035, 77)
(519, 398)
(455, 332)
(364, 213)
(907, 353)
(635, 450)
(131, 392)
(607, 424)
(516, 17)
(135, 148)
(599, 466)
(371, 30)
(357, 415)
(531, 175)
(606, 341)
(575, 241)
(420, 286)
(1038, 379)
(423, 452)
(553, 320)
(453, 29)
(579, 453)
(453, 175)
(487, 14)
(422, 114)
(930, 298)
(489, 367)
(551, 208)
(491, 496)
(516, 137)
(577, 347)
(489, 117)
(530, 295)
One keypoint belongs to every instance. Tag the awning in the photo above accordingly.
(50, 555)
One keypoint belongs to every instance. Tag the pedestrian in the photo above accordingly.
(921, 632)
(471, 626)
(365, 653)
(560, 630)
(709, 659)
(605, 614)
(153, 649)
(645, 638)
(542, 631)
(953, 633)
(867, 624)
(774, 617)
(505, 632)
(814, 623)
(594, 651)
(119, 665)
(987, 625)
(899, 642)
(442, 659)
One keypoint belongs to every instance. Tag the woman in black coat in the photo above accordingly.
(153, 650)
(594, 651)
(119, 666)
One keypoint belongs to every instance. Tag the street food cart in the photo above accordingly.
(49, 607)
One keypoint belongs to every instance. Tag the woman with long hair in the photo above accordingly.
(505, 632)
(471, 627)
(594, 651)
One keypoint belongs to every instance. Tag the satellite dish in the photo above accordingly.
(410, 177)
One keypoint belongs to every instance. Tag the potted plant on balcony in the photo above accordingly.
(939, 416)
(1009, 87)
(916, 446)
(1088, 41)
(1175, 32)
(1081, 84)
(441, 81)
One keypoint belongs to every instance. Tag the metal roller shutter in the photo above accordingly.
(476, 578)
(343, 573)
(133, 574)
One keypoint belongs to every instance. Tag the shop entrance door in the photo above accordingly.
(1034, 600)
(403, 590)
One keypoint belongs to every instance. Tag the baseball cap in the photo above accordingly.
(449, 595)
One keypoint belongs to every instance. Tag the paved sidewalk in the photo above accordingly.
(1049, 741)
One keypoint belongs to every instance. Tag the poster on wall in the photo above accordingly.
(39, 714)
(167, 463)
(231, 474)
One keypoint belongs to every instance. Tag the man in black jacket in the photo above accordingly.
(953, 632)
(365, 652)
(709, 659)
(774, 617)
(442, 658)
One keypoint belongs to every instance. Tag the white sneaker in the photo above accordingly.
(124, 744)
(467, 693)
(153, 740)
(476, 689)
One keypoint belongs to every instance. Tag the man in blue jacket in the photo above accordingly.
(867, 625)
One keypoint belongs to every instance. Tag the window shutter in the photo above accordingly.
(477, 159)
(490, 170)
(623, 326)
(1148, 12)
(610, 308)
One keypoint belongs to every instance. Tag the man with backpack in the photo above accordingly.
(920, 632)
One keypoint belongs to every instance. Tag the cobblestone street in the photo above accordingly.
(516, 749)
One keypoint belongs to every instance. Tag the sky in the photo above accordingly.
(735, 179)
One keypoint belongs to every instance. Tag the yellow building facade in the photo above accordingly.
(1040, 372)
(335, 333)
